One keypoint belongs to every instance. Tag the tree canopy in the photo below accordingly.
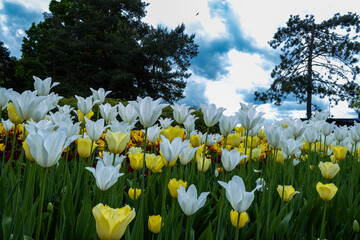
(91, 43)
(317, 58)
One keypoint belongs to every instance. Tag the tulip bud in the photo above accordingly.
(50, 207)
(244, 218)
(136, 161)
(356, 227)
(195, 140)
(133, 195)
(84, 147)
(286, 192)
(13, 116)
(154, 224)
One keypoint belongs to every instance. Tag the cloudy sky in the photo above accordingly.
(234, 57)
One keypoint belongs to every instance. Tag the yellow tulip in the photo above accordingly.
(81, 115)
(26, 148)
(304, 157)
(173, 132)
(132, 194)
(2, 147)
(239, 130)
(195, 141)
(328, 169)
(326, 191)
(279, 157)
(339, 152)
(84, 146)
(117, 141)
(111, 223)
(289, 192)
(256, 154)
(154, 224)
(134, 150)
(252, 142)
(311, 167)
(234, 139)
(174, 185)
(136, 161)
(261, 133)
(13, 116)
(203, 164)
(154, 162)
(320, 147)
(306, 146)
(234, 217)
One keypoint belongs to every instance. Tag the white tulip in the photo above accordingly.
(153, 133)
(211, 114)
(189, 201)
(7, 125)
(108, 159)
(148, 110)
(181, 112)
(239, 199)
(230, 159)
(46, 147)
(170, 151)
(43, 87)
(249, 118)
(85, 104)
(99, 95)
(95, 129)
(25, 103)
(186, 155)
(165, 123)
(108, 113)
(128, 114)
(105, 176)
(227, 124)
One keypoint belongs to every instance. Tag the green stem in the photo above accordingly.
(220, 213)
(43, 183)
(163, 203)
(48, 227)
(187, 232)
(322, 233)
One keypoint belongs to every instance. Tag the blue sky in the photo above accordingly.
(234, 58)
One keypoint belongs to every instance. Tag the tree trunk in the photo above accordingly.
(309, 76)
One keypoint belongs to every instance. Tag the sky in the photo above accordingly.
(234, 57)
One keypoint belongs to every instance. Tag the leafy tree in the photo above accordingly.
(8, 77)
(91, 43)
(317, 58)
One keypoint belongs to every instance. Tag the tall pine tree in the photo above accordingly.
(317, 59)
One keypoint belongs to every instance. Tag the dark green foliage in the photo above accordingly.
(91, 43)
(317, 58)
(8, 64)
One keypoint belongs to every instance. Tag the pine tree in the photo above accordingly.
(317, 59)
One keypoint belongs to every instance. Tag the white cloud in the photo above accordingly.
(37, 5)
(194, 14)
